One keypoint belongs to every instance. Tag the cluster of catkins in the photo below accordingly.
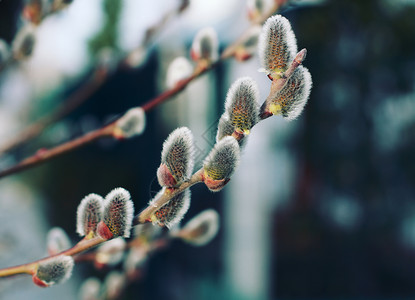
(278, 51)
(97, 217)
(112, 217)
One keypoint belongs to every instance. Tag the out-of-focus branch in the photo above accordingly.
(98, 78)
(30, 268)
(108, 130)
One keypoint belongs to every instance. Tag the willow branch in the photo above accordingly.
(107, 130)
(169, 193)
(30, 268)
(70, 104)
(44, 155)
(99, 77)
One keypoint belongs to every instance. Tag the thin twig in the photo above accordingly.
(108, 129)
(30, 268)
(99, 77)
(44, 155)
(169, 193)
(70, 104)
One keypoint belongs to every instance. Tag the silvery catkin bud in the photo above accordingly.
(291, 99)
(205, 45)
(24, 42)
(89, 214)
(54, 270)
(221, 163)
(176, 158)
(90, 289)
(201, 229)
(57, 241)
(179, 69)
(114, 285)
(249, 43)
(131, 124)
(277, 45)
(242, 104)
(117, 216)
(225, 127)
(172, 212)
(110, 253)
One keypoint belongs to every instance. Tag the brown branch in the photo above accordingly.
(44, 155)
(169, 193)
(107, 130)
(30, 268)
(70, 104)
(99, 77)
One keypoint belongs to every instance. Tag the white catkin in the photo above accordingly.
(119, 212)
(205, 44)
(277, 44)
(250, 41)
(242, 103)
(114, 284)
(55, 270)
(294, 95)
(225, 128)
(57, 240)
(223, 159)
(178, 153)
(205, 225)
(173, 212)
(179, 69)
(89, 214)
(132, 123)
(111, 252)
(90, 289)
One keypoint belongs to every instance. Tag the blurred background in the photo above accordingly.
(320, 208)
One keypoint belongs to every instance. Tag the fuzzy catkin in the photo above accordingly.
(242, 104)
(89, 214)
(177, 155)
(205, 45)
(118, 212)
(202, 228)
(223, 159)
(55, 270)
(292, 98)
(277, 44)
(172, 212)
